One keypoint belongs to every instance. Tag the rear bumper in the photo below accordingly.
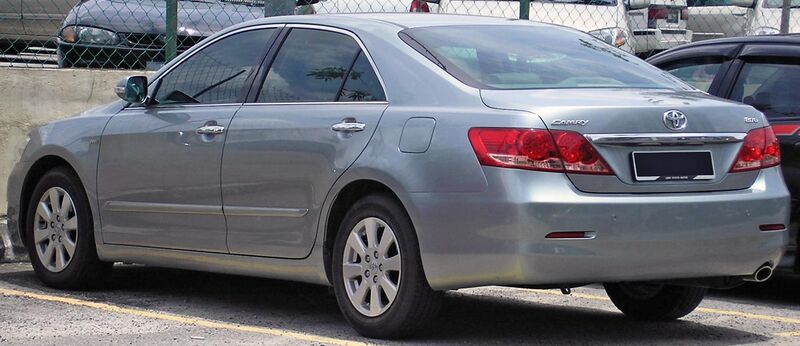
(497, 237)
(660, 39)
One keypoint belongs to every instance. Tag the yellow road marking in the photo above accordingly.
(705, 310)
(181, 319)
(788, 334)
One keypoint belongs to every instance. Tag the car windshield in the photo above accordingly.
(779, 3)
(534, 57)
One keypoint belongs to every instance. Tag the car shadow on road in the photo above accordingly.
(782, 289)
(465, 318)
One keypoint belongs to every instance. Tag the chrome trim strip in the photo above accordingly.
(664, 138)
(162, 208)
(316, 103)
(265, 212)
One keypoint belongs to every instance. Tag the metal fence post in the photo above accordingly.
(279, 7)
(787, 6)
(172, 30)
(524, 9)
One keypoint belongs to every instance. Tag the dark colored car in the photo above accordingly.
(764, 72)
(132, 33)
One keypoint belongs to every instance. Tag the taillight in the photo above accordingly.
(684, 14)
(538, 150)
(760, 149)
(419, 6)
(654, 14)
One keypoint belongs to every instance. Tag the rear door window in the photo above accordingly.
(770, 88)
(311, 66)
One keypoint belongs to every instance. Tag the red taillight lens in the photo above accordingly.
(760, 149)
(657, 13)
(684, 14)
(539, 150)
(419, 6)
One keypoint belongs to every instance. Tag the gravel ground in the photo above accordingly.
(146, 306)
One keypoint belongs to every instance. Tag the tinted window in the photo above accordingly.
(533, 57)
(770, 88)
(698, 75)
(310, 67)
(217, 73)
(362, 84)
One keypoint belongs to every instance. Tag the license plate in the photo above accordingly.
(673, 165)
(673, 16)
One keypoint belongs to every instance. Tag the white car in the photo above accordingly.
(729, 18)
(636, 26)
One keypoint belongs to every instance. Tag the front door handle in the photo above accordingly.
(349, 126)
(211, 130)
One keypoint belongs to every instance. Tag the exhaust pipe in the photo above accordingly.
(761, 275)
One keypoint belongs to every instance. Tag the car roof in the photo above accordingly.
(398, 20)
(764, 39)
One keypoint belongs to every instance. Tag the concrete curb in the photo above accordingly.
(11, 249)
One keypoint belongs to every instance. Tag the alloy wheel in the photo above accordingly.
(371, 267)
(55, 229)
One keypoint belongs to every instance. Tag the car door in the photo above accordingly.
(716, 19)
(159, 169)
(314, 113)
(766, 78)
(703, 67)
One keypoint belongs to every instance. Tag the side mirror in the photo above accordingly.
(638, 4)
(742, 3)
(306, 2)
(132, 89)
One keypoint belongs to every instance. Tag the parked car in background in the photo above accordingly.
(635, 26)
(709, 19)
(763, 72)
(34, 23)
(132, 33)
(659, 26)
(327, 155)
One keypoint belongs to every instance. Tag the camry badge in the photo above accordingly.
(675, 120)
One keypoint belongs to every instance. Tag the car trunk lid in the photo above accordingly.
(621, 122)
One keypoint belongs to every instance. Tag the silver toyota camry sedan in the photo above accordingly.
(395, 157)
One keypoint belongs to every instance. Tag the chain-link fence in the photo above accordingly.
(143, 34)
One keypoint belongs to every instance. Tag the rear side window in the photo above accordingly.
(770, 88)
(699, 74)
(362, 84)
(217, 73)
(311, 66)
(533, 57)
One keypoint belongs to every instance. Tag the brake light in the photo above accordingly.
(760, 149)
(419, 6)
(657, 13)
(538, 150)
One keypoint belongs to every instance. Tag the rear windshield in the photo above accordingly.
(533, 57)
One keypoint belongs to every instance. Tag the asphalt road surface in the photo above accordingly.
(153, 306)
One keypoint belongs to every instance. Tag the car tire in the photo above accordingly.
(654, 302)
(398, 264)
(62, 247)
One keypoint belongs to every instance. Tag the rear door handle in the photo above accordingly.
(210, 130)
(349, 126)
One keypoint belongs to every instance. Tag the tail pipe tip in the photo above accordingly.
(760, 275)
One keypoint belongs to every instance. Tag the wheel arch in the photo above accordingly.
(346, 196)
(32, 177)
